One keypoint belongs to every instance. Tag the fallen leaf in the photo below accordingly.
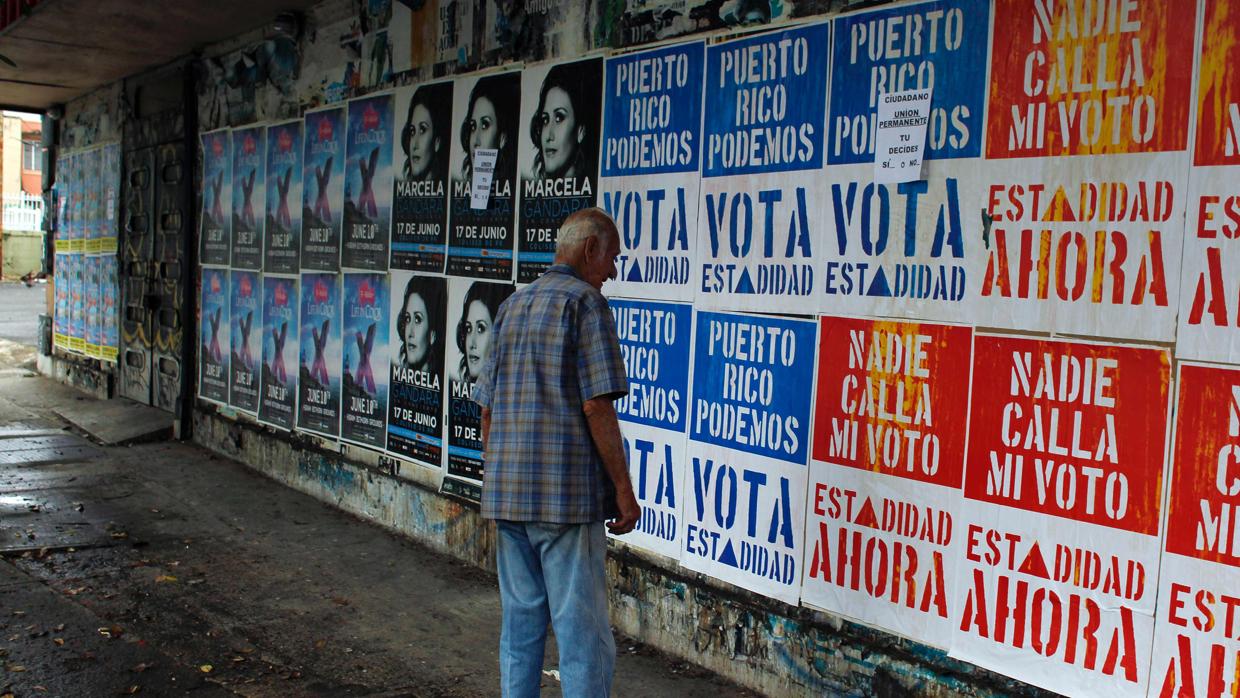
(16, 668)
(119, 535)
(320, 644)
(165, 578)
(60, 627)
(133, 689)
(59, 641)
(142, 667)
(340, 601)
(206, 668)
(40, 689)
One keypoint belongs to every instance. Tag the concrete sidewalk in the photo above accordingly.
(159, 569)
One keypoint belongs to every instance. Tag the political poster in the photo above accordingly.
(1197, 631)
(890, 415)
(368, 184)
(245, 324)
(214, 350)
(249, 180)
(748, 451)
(472, 306)
(913, 249)
(90, 294)
(420, 195)
(1083, 232)
(109, 303)
(282, 243)
(1059, 527)
(363, 406)
(763, 199)
(319, 356)
(1209, 317)
(322, 202)
(562, 105)
(655, 340)
(652, 119)
(480, 240)
(278, 396)
(415, 425)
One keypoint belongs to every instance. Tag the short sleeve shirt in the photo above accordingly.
(553, 347)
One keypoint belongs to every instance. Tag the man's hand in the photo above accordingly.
(630, 512)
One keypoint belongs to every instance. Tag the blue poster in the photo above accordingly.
(279, 377)
(368, 184)
(215, 231)
(749, 430)
(419, 330)
(60, 320)
(763, 193)
(109, 319)
(77, 302)
(249, 180)
(213, 351)
(318, 361)
(322, 208)
(282, 243)
(655, 341)
(939, 46)
(91, 283)
(365, 375)
(245, 324)
(652, 117)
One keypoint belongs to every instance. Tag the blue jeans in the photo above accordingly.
(554, 572)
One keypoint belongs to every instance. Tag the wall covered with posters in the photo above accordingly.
(948, 407)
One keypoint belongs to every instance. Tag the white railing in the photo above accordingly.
(23, 211)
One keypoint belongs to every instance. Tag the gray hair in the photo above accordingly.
(581, 226)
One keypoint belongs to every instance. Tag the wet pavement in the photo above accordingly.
(160, 569)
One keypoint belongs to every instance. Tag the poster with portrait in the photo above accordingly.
(214, 345)
(215, 219)
(472, 306)
(1086, 171)
(891, 411)
(656, 340)
(245, 324)
(368, 184)
(914, 249)
(415, 424)
(744, 511)
(90, 280)
(322, 202)
(1209, 317)
(109, 297)
(561, 118)
(1060, 521)
(111, 198)
(480, 240)
(90, 199)
(1196, 643)
(652, 121)
(763, 200)
(420, 194)
(249, 180)
(319, 355)
(363, 405)
(278, 394)
(282, 243)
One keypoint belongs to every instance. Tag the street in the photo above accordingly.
(20, 306)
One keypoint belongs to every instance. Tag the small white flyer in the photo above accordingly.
(484, 170)
(900, 141)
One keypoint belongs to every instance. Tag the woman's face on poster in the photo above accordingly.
(477, 337)
(484, 126)
(422, 142)
(417, 336)
(559, 133)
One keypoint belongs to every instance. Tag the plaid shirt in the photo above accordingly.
(553, 347)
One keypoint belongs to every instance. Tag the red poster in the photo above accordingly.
(888, 456)
(1218, 87)
(1197, 641)
(1069, 429)
(1061, 513)
(1082, 78)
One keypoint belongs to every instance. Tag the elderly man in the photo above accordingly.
(555, 463)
